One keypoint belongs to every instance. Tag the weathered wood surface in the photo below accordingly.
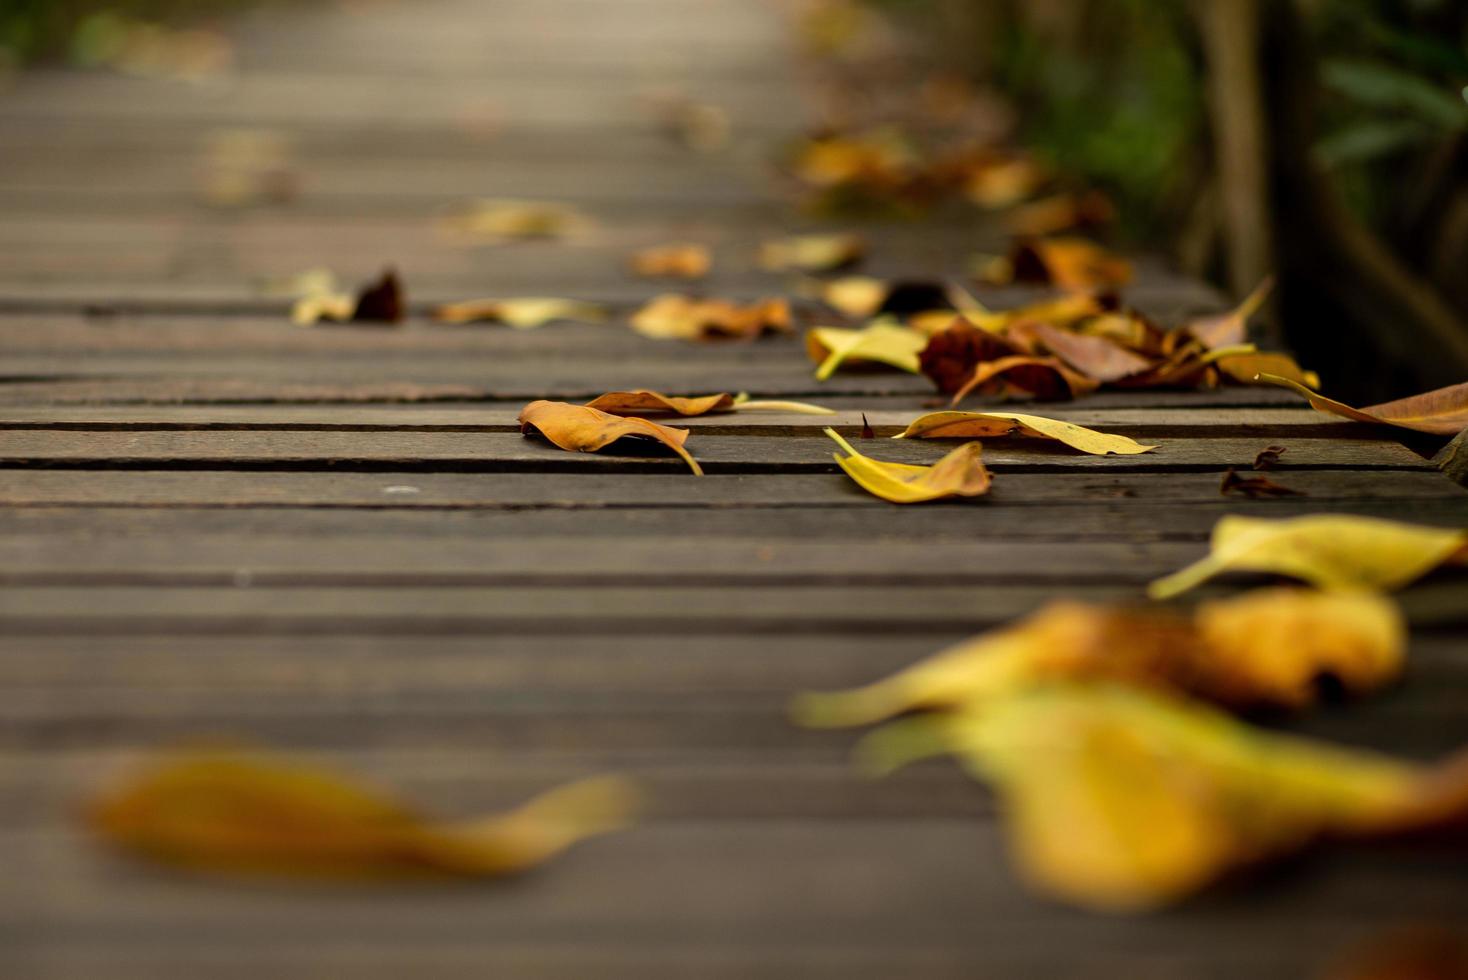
(213, 523)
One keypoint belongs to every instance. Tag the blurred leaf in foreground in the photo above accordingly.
(1333, 551)
(256, 814)
(1119, 799)
(1267, 647)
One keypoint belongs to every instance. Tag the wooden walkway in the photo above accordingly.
(335, 541)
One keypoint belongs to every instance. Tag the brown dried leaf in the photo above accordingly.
(1068, 263)
(578, 428)
(1442, 412)
(682, 261)
(1254, 487)
(1061, 212)
(1045, 378)
(253, 814)
(1232, 328)
(654, 403)
(952, 354)
(1095, 357)
(1268, 457)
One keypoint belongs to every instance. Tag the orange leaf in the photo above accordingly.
(1046, 378)
(1442, 412)
(578, 428)
(684, 261)
(654, 403)
(1070, 263)
(674, 316)
(1232, 328)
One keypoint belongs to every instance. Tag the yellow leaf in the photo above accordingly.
(959, 474)
(1266, 647)
(812, 253)
(1443, 411)
(523, 313)
(983, 425)
(885, 343)
(857, 296)
(254, 814)
(577, 428)
(315, 307)
(1273, 646)
(1333, 551)
(1245, 368)
(686, 261)
(1122, 800)
(673, 316)
(496, 220)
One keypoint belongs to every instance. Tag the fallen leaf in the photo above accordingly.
(1275, 646)
(254, 814)
(674, 316)
(1443, 411)
(685, 261)
(522, 313)
(1266, 647)
(961, 473)
(993, 180)
(812, 253)
(986, 425)
(1232, 328)
(882, 342)
(1268, 457)
(654, 403)
(1068, 263)
(1332, 551)
(503, 220)
(1095, 357)
(579, 428)
(863, 296)
(1246, 368)
(1254, 487)
(380, 302)
(1123, 800)
(1046, 378)
(951, 355)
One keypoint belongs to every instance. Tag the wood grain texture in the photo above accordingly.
(334, 541)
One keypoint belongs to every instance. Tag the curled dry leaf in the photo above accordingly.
(1120, 800)
(1267, 647)
(883, 343)
(674, 316)
(504, 220)
(1046, 378)
(522, 313)
(1332, 551)
(959, 474)
(1254, 487)
(254, 814)
(1268, 457)
(812, 253)
(685, 261)
(1442, 412)
(579, 428)
(951, 356)
(1232, 328)
(1096, 357)
(988, 425)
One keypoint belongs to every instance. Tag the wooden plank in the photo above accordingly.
(495, 451)
(592, 490)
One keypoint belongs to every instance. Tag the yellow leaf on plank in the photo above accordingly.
(1121, 800)
(522, 313)
(959, 474)
(884, 343)
(812, 253)
(500, 220)
(1332, 551)
(1442, 411)
(986, 425)
(684, 261)
(577, 428)
(1267, 647)
(253, 814)
(673, 316)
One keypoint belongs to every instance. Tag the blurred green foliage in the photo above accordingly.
(37, 30)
